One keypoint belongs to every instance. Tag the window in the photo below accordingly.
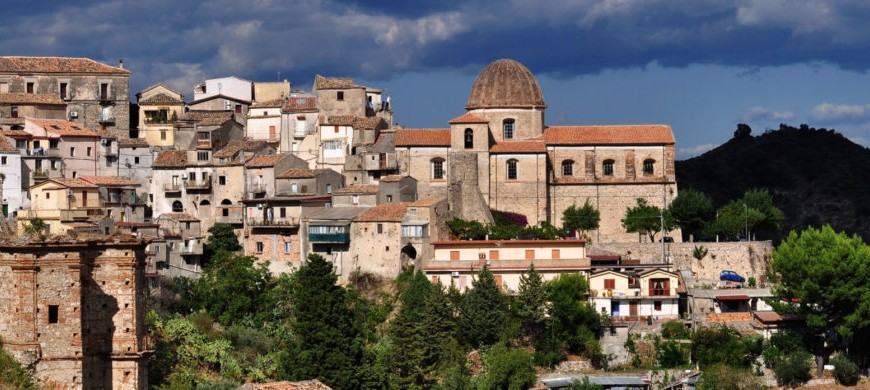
(649, 166)
(273, 135)
(493, 254)
(30, 86)
(288, 247)
(53, 314)
(163, 135)
(389, 199)
(354, 200)
(136, 160)
(469, 138)
(530, 254)
(508, 126)
(568, 168)
(177, 207)
(608, 167)
(14, 112)
(512, 169)
(413, 230)
(3, 160)
(657, 305)
(454, 255)
(88, 152)
(238, 108)
(659, 287)
(328, 188)
(54, 165)
(52, 144)
(72, 151)
(48, 195)
(609, 284)
(104, 91)
(380, 228)
(222, 180)
(201, 156)
(259, 246)
(438, 169)
(62, 89)
(339, 95)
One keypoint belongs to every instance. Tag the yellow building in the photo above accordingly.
(64, 205)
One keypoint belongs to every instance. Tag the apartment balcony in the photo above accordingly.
(197, 184)
(151, 269)
(329, 238)
(110, 150)
(191, 249)
(288, 222)
(40, 152)
(157, 121)
(255, 189)
(172, 187)
(611, 293)
(106, 119)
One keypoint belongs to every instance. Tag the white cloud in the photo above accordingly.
(760, 113)
(840, 112)
(692, 151)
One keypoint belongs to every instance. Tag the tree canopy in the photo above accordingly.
(645, 218)
(692, 210)
(482, 313)
(582, 219)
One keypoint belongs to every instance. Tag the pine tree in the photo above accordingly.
(327, 345)
(409, 338)
(482, 313)
(532, 302)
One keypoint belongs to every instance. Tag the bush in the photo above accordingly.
(845, 370)
(674, 330)
(793, 369)
(669, 354)
(724, 377)
(507, 368)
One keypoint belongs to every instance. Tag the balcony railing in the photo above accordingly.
(191, 249)
(106, 118)
(197, 184)
(274, 222)
(157, 121)
(256, 188)
(173, 187)
(337, 238)
(42, 152)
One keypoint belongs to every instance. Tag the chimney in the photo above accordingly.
(121, 63)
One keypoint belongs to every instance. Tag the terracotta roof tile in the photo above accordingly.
(313, 384)
(321, 82)
(236, 146)
(207, 118)
(64, 128)
(300, 103)
(468, 118)
(171, 159)
(518, 147)
(364, 123)
(31, 98)
(160, 98)
(423, 137)
(358, 189)
(264, 161)
(391, 179)
(133, 143)
(390, 212)
(427, 201)
(111, 181)
(274, 103)
(341, 120)
(179, 217)
(71, 183)
(17, 133)
(6, 146)
(57, 65)
(609, 135)
(301, 173)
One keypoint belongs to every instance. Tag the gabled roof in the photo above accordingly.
(168, 88)
(240, 145)
(64, 128)
(468, 118)
(386, 143)
(220, 96)
(357, 122)
(133, 143)
(67, 183)
(31, 98)
(207, 118)
(300, 103)
(301, 173)
(518, 147)
(609, 135)
(160, 98)
(171, 159)
(6, 146)
(608, 272)
(264, 161)
(358, 189)
(422, 137)
(390, 212)
(321, 82)
(57, 65)
(654, 270)
(274, 103)
(111, 181)
(340, 120)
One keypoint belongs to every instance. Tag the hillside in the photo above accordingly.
(817, 176)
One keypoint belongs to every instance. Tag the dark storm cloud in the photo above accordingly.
(184, 42)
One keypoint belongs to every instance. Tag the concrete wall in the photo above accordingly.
(527, 123)
(376, 252)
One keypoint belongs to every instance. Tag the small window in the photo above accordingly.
(238, 108)
(54, 165)
(30, 86)
(469, 138)
(53, 314)
(14, 112)
(294, 188)
(339, 95)
(649, 166)
(201, 156)
(454, 255)
(88, 152)
(48, 195)
(104, 91)
(177, 207)
(389, 197)
(568, 168)
(72, 151)
(3, 160)
(557, 254)
(354, 200)
(511, 169)
(438, 169)
(222, 180)
(508, 126)
(163, 135)
(328, 188)
(609, 284)
(657, 305)
(288, 247)
(260, 246)
(380, 228)
(63, 90)
(530, 254)
(608, 167)
(136, 160)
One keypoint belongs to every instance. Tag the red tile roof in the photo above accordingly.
(236, 146)
(422, 137)
(133, 143)
(207, 118)
(57, 65)
(31, 98)
(301, 173)
(70, 183)
(111, 181)
(358, 189)
(468, 118)
(300, 103)
(391, 179)
(609, 135)
(518, 147)
(160, 98)
(321, 82)
(64, 128)
(390, 212)
(264, 161)
(340, 120)
(171, 159)
(274, 103)
(6, 146)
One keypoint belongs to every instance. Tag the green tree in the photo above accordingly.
(232, 288)
(761, 201)
(325, 342)
(723, 345)
(506, 368)
(691, 211)
(575, 322)
(754, 212)
(482, 313)
(794, 369)
(443, 361)
(582, 219)
(36, 228)
(725, 377)
(826, 273)
(532, 302)
(222, 237)
(845, 370)
(645, 218)
(466, 230)
(407, 368)
(12, 374)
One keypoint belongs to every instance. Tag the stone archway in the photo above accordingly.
(409, 257)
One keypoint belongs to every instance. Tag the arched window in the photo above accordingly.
(438, 169)
(568, 168)
(177, 207)
(511, 169)
(608, 167)
(469, 138)
(649, 166)
(508, 126)
(225, 207)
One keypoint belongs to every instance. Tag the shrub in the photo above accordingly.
(724, 377)
(793, 369)
(845, 370)
(674, 330)
(669, 354)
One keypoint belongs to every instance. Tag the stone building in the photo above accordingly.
(97, 95)
(501, 155)
(14, 107)
(75, 312)
(159, 108)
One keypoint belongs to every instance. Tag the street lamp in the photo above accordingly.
(746, 221)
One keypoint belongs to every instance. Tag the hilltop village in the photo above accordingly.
(110, 194)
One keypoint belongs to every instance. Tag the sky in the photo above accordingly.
(700, 66)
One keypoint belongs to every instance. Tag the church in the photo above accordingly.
(501, 155)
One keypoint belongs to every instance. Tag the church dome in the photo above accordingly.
(505, 84)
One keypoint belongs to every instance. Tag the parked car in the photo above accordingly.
(731, 276)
